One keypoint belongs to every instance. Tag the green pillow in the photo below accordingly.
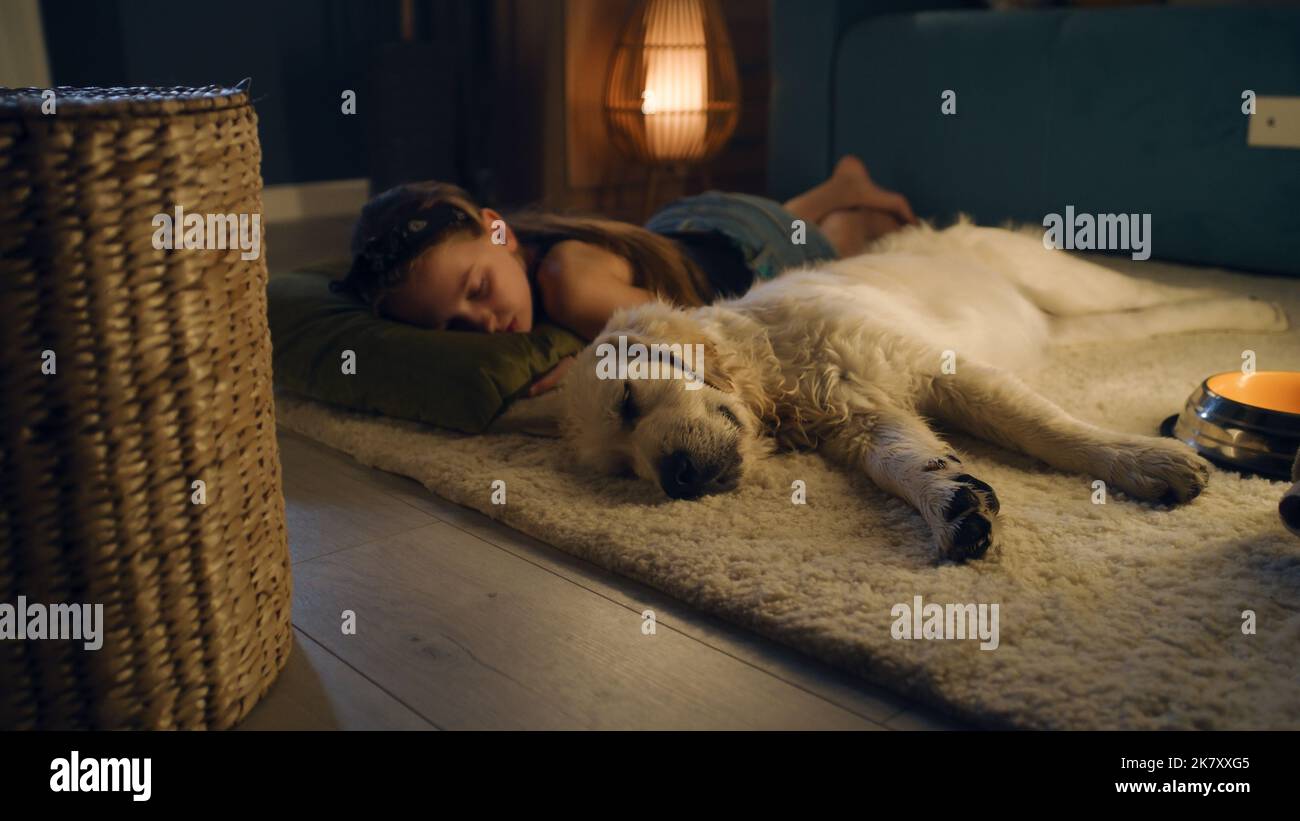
(454, 379)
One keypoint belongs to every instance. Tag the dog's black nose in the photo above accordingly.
(682, 477)
(679, 476)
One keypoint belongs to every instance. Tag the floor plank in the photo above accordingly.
(330, 504)
(316, 691)
(876, 705)
(799, 669)
(472, 637)
(850, 692)
(924, 718)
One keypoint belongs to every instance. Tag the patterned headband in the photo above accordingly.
(383, 256)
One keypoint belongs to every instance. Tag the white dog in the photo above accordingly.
(851, 357)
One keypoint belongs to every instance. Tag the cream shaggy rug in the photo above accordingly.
(1110, 616)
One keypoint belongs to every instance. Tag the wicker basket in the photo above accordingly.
(162, 379)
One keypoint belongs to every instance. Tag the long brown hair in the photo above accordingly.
(658, 264)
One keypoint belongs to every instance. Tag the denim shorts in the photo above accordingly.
(758, 227)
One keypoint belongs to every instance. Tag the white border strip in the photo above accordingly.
(331, 198)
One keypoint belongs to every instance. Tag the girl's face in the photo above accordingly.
(467, 283)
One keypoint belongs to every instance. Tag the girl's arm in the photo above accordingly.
(582, 285)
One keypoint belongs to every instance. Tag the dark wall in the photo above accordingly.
(301, 55)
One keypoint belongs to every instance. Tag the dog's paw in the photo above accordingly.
(1159, 470)
(969, 518)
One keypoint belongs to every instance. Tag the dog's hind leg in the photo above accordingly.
(994, 405)
(1233, 314)
(1065, 285)
(902, 456)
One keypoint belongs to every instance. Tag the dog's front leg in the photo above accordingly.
(903, 456)
(994, 405)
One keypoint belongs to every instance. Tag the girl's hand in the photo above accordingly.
(552, 377)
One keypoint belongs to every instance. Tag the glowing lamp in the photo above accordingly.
(673, 91)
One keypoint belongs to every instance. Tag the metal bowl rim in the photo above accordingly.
(1205, 386)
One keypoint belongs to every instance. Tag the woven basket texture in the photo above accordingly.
(129, 375)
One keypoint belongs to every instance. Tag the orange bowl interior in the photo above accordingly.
(1271, 390)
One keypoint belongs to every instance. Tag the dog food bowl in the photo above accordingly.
(1245, 422)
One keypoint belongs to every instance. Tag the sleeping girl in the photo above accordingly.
(425, 254)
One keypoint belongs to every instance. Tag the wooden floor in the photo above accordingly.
(464, 623)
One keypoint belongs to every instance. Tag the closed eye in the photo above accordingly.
(627, 408)
(727, 412)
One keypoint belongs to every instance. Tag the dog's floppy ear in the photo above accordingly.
(727, 369)
(538, 415)
(668, 326)
(718, 368)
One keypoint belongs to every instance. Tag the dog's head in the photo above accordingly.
(690, 427)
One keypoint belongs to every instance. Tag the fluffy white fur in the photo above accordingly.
(850, 358)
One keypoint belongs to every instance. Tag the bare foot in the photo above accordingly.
(849, 186)
(856, 187)
(852, 168)
(877, 223)
(851, 230)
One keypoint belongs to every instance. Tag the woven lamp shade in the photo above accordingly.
(673, 93)
(161, 379)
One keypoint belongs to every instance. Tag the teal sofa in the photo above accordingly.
(1113, 110)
